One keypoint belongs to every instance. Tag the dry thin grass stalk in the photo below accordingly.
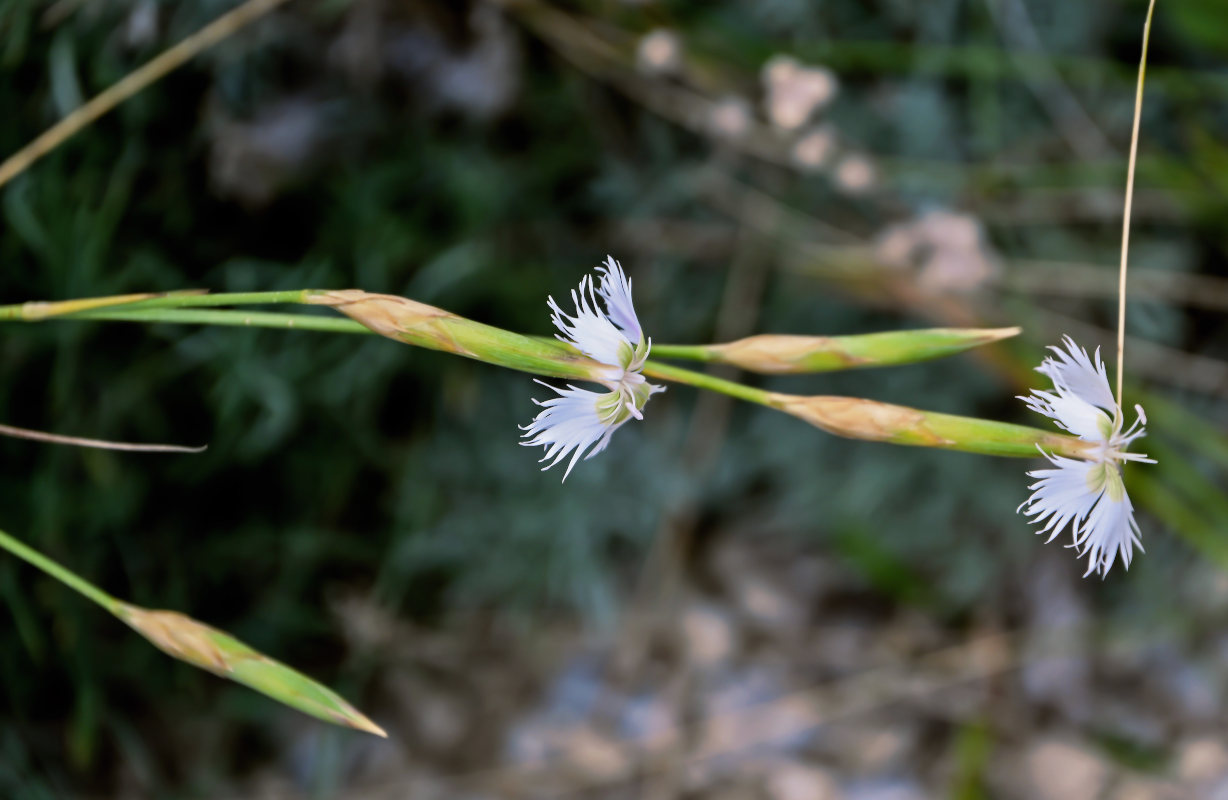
(132, 83)
(98, 444)
(1125, 224)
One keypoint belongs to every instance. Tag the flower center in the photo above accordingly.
(1105, 477)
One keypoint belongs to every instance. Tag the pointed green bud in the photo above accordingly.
(781, 354)
(218, 652)
(857, 418)
(427, 326)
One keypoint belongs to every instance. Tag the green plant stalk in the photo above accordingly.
(193, 299)
(700, 380)
(35, 311)
(225, 317)
(766, 353)
(61, 574)
(843, 416)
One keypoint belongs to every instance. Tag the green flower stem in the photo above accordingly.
(32, 312)
(203, 300)
(668, 372)
(64, 576)
(850, 417)
(688, 352)
(240, 319)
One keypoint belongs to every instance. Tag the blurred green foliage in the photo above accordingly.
(338, 464)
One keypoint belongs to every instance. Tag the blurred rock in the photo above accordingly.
(795, 781)
(141, 26)
(708, 634)
(1201, 760)
(1056, 670)
(1146, 789)
(597, 756)
(1190, 691)
(476, 74)
(753, 713)
(252, 161)
(364, 623)
(438, 719)
(1060, 770)
(764, 603)
(1125, 717)
(870, 748)
(897, 789)
(647, 717)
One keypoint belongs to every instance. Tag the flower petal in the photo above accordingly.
(571, 423)
(615, 290)
(1073, 372)
(1110, 528)
(1072, 413)
(592, 332)
(1062, 497)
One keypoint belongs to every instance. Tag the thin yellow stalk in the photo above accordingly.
(132, 83)
(98, 444)
(1125, 224)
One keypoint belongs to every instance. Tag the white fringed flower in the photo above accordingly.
(578, 419)
(1089, 495)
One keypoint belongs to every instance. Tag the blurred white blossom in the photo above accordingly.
(794, 92)
(729, 118)
(948, 251)
(855, 174)
(815, 147)
(1088, 495)
(607, 332)
(659, 52)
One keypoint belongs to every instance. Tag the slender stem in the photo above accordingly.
(37, 311)
(241, 319)
(690, 352)
(188, 300)
(1125, 224)
(132, 83)
(100, 444)
(68, 578)
(655, 369)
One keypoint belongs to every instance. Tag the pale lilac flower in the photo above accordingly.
(608, 332)
(1088, 495)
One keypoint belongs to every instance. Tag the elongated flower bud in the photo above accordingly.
(783, 354)
(857, 418)
(218, 652)
(434, 328)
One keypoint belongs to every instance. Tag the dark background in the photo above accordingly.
(365, 512)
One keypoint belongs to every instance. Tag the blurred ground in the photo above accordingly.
(724, 604)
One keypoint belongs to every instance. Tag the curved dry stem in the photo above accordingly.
(132, 83)
(1125, 223)
(98, 444)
